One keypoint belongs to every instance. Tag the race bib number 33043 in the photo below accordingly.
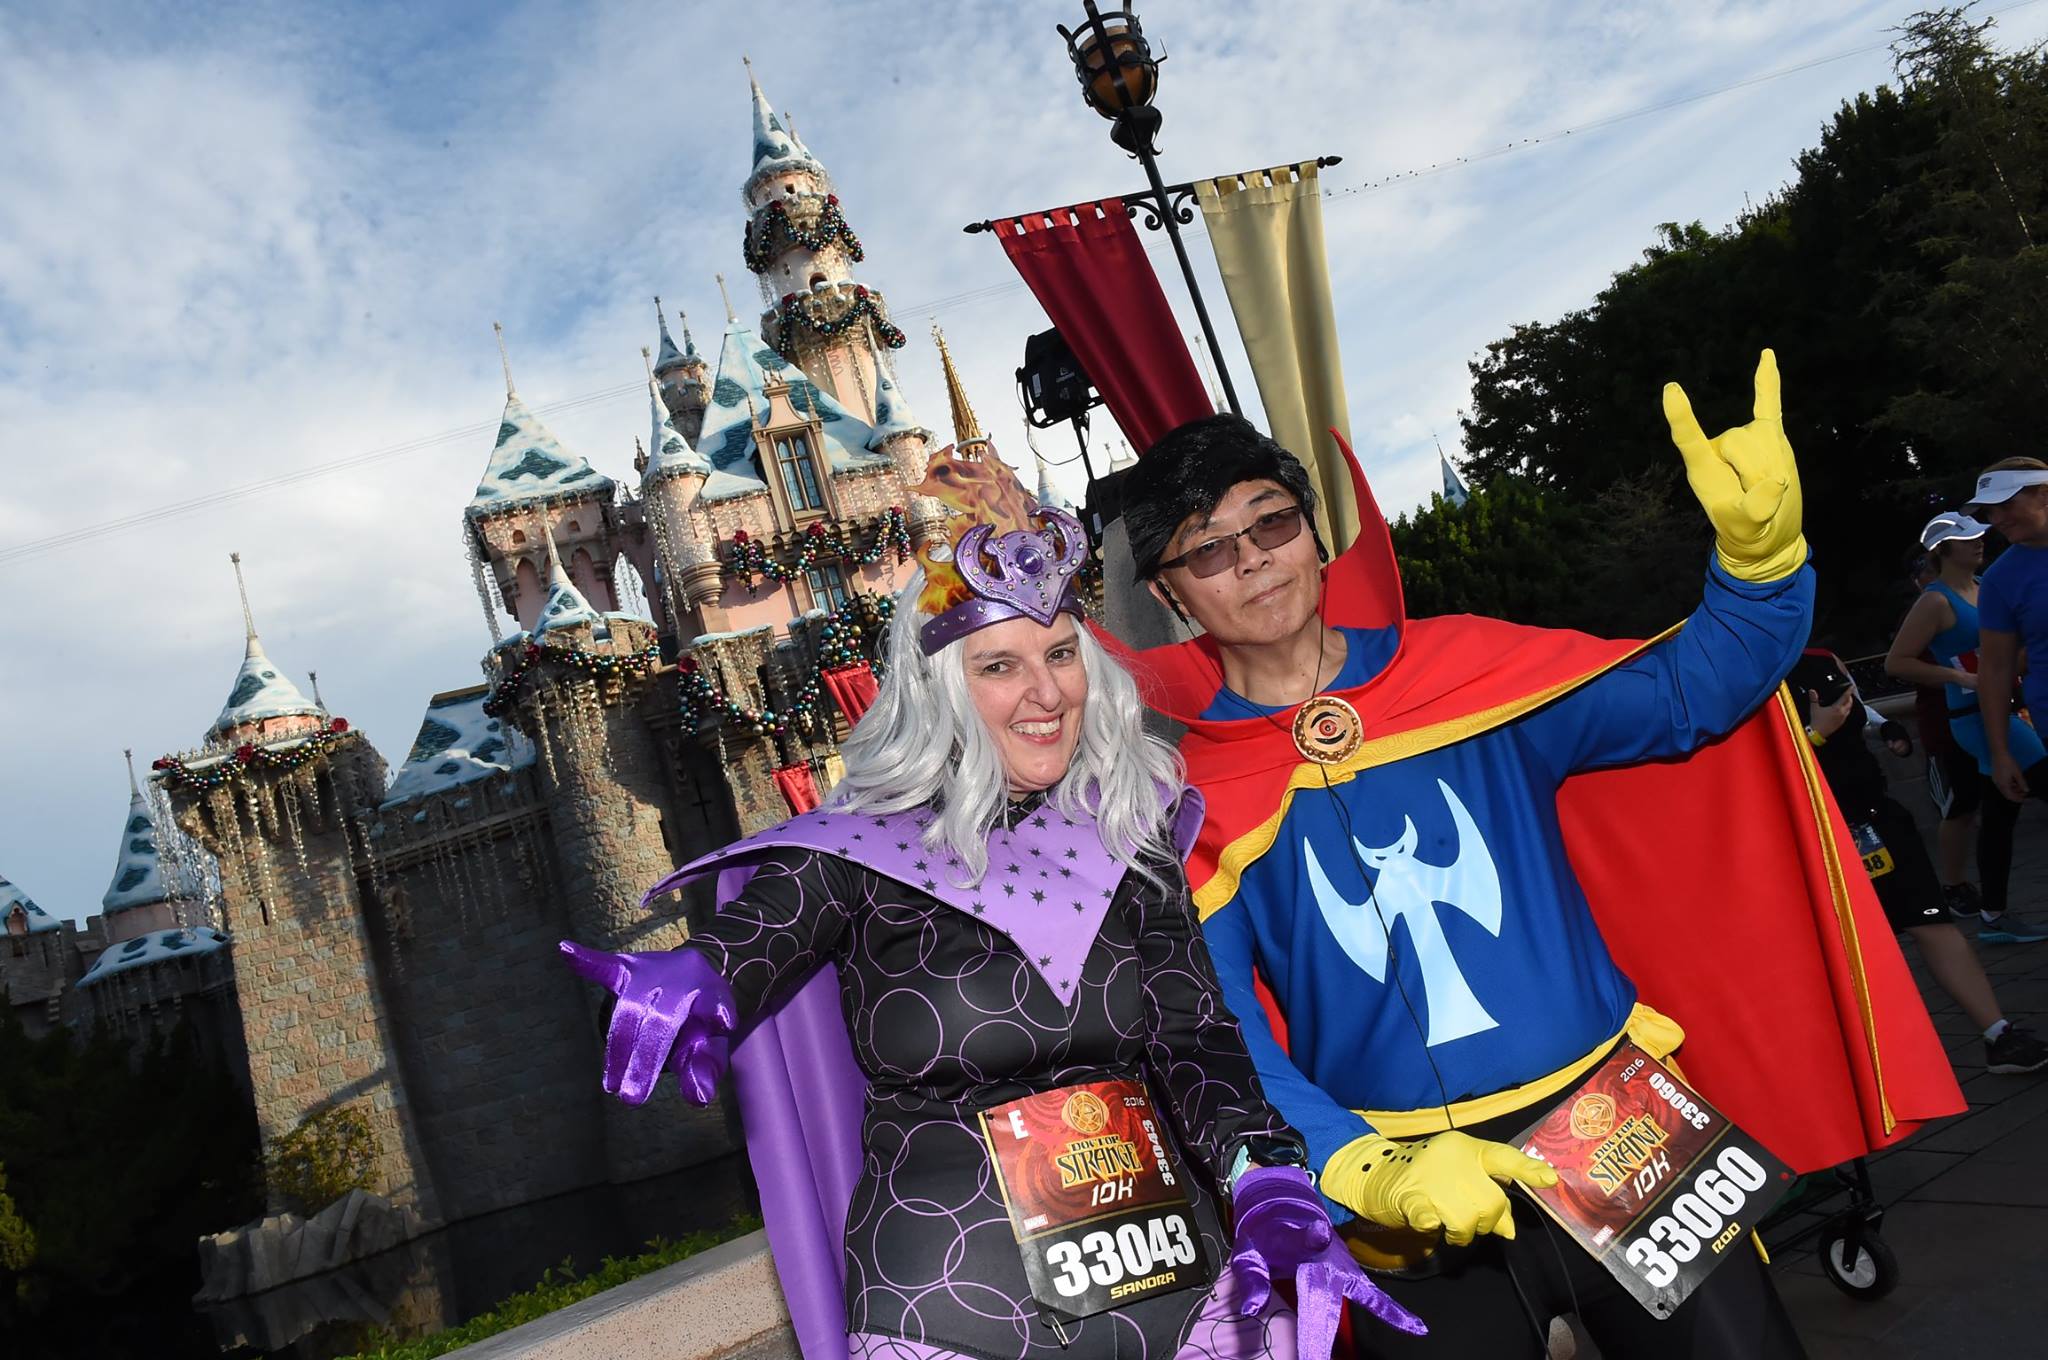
(1651, 1179)
(1098, 1205)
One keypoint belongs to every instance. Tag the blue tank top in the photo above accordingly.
(1956, 645)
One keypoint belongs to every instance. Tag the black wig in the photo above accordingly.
(1192, 468)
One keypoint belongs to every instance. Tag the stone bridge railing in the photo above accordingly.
(721, 1304)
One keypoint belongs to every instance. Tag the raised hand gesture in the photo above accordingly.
(1746, 480)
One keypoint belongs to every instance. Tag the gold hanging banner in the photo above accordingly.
(1267, 229)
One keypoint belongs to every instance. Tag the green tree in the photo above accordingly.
(1976, 213)
(17, 1239)
(118, 1160)
(1896, 277)
(1508, 552)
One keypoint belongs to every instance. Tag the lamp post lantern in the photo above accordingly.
(1119, 76)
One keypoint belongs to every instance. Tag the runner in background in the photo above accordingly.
(1942, 624)
(1837, 721)
(1954, 784)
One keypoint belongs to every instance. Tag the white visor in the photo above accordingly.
(2002, 485)
(1951, 525)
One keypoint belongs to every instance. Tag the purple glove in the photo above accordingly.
(675, 1010)
(1282, 1228)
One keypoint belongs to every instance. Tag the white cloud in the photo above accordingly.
(243, 245)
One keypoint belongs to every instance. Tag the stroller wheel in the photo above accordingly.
(1865, 1270)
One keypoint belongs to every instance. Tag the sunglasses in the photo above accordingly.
(1215, 555)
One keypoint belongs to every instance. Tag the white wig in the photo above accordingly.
(923, 742)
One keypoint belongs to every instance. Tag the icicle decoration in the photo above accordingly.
(288, 793)
(671, 562)
(486, 591)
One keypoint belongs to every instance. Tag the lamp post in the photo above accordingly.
(1119, 75)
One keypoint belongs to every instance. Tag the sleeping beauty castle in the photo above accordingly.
(678, 654)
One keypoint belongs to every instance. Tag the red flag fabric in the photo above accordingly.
(799, 789)
(853, 689)
(1087, 269)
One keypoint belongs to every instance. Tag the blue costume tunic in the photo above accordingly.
(1497, 974)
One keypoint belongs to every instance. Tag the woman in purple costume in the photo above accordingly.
(991, 908)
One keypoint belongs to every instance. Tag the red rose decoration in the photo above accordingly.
(532, 650)
(832, 198)
(244, 754)
(338, 725)
(160, 763)
(688, 665)
(739, 535)
(788, 298)
(860, 290)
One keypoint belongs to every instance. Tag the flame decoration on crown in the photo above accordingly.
(1009, 557)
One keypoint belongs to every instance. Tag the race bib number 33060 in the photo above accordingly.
(1651, 1179)
(1098, 1205)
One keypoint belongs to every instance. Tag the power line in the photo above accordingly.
(947, 302)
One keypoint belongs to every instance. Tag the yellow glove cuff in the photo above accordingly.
(1343, 1178)
(1775, 567)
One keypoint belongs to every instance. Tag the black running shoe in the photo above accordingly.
(2015, 1051)
(1963, 899)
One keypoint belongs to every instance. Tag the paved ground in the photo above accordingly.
(1968, 1198)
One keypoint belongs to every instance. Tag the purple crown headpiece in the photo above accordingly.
(1027, 573)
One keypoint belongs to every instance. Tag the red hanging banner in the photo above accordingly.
(1087, 269)
(853, 689)
(799, 789)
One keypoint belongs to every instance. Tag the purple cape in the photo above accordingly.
(802, 1045)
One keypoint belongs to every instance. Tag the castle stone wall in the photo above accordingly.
(317, 1031)
(491, 1027)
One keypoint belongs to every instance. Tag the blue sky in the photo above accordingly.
(244, 241)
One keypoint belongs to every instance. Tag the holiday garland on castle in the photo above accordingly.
(759, 244)
(598, 665)
(839, 646)
(889, 536)
(796, 310)
(218, 772)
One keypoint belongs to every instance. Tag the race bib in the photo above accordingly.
(1877, 860)
(1097, 1202)
(1652, 1180)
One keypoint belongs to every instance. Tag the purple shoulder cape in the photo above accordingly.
(1048, 886)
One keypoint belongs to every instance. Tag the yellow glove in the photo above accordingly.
(1747, 481)
(1446, 1181)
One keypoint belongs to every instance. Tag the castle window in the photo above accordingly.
(828, 587)
(799, 473)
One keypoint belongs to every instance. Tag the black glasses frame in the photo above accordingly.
(1274, 529)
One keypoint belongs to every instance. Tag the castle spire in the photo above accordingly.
(966, 429)
(505, 359)
(242, 589)
(138, 873)
(776, 149)
(671, 357)
(730, 315)
(261, 691)
(671, 453)
(1048, 495)
(892, 412)
(565, 605)
(527, 462)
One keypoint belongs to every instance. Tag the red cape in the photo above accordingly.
(1732, 898)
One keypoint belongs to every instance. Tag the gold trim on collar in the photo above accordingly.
(1220, 887)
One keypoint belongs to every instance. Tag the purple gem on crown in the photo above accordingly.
(1027, 573)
